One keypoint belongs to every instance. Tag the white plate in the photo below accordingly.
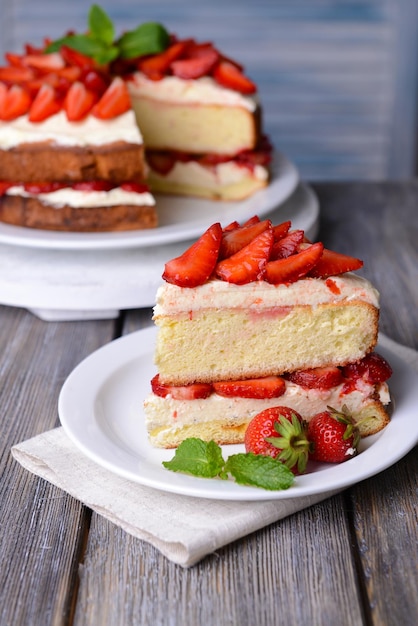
(180, 218)
(100, 408)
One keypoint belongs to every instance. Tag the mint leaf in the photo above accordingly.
(197, 457)
(148, 38)
(100, 25)
(259, 471)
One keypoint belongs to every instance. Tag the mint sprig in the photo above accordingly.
(204, 459)
(100, 44)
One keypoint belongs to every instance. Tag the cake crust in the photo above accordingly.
(31, 162)
(32, 213)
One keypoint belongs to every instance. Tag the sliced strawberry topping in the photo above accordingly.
(13, 102)
(287, 245)
(373, 368)
(249, 263)
(229, 75)
(73, 57)
(197, 263)
(43, 187)
(14, 74)
(261, 388)
(332, 263)
(235, 240)
(115, 100)
(293, 267)
(45, 104)
(94, 80)
(134, 187)
(93, 185)
(156, 66)
(49, 62)
(317, 378)
(4, 186)
(199, 64)
(78, 102)
(280, 230)
(194, 391)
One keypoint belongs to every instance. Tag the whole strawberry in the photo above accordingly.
(279, 432)
(333, 436)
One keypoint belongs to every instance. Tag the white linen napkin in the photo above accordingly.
(183, 528)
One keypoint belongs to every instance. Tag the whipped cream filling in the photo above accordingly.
(177, 413)
(212, 176)
(86, 199)
(56, 129)
(203, 90)
(260, 295)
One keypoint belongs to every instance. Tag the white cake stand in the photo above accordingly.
(62, 285)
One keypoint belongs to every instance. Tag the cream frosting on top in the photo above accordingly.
(204, 90)
(58, 130)
(259, 295)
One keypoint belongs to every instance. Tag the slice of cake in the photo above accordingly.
(253, 316)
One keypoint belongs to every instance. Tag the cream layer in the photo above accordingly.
(212, 177)
(256, 296)
(86, 199)
(203, 90)
(59, 131)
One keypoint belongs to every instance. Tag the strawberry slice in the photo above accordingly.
(235, 240)
(78, 102)
(230, 76)
(49, 62)
(249, 263)
(195, 391)
(280, 230)
(93, 185)
(115, 100)
(14, 102)
(73, 57)
(156, 67)
(197, 263)
(93, 80)
(134, 187)
(43, 187)
(45, 104)
(16, 74)
(261, 388)
(293, 267)
(160, 161)
(287, 245)
(333, 263)
(316, 378)
(4, 186)
(200, 64)
(373, 368)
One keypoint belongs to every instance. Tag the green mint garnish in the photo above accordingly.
(204, 459)
(99, 42)
(197, 457)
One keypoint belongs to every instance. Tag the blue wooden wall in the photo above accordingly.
(338, 78)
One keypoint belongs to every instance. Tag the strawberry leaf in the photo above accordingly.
(259, 471)
(148, 38)
(100, 25)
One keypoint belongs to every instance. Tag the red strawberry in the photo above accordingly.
(249, 263)
(43, 187)
(279, 432)
(317, 378)
(293, 267)
(16, 74)
(14, 102)
(156, 66)
(194, 391)
(160, 161)
(373, 368)
(4, 186)
(49, 62)
(73, 57)
(45, 104)
(287, 245)
(235, 240)
(93, 185)
(267, 387)
(280, 230)
(78, 102)
(135, 187)
(115, 100)
(229, 75)
(333, 263)
(197, 263)
(93, 79)
(333, 436)
(196, 66)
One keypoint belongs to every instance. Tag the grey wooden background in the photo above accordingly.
(338, 78)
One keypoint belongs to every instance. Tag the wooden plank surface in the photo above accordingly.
(349, 560)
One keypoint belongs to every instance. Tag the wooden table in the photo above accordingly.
(349, 560)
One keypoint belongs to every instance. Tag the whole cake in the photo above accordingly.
(81, 109)
(252, 313)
